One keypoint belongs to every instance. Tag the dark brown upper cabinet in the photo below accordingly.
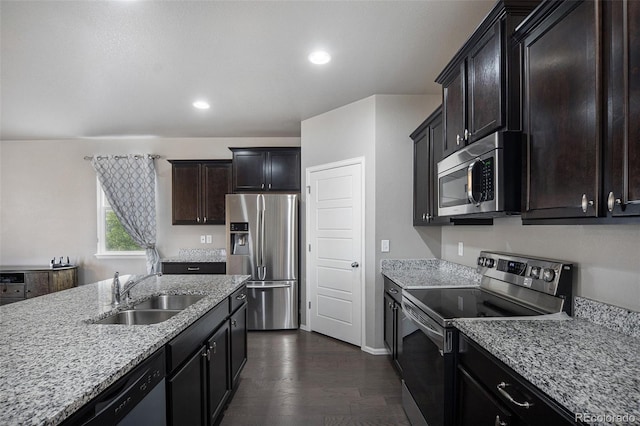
(481, 84)
(622, 62)
(561, 109)
(581, 84)
(266, 169)
(427, 151)
(198, 191)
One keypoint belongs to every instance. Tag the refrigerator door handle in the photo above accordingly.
(261, 269)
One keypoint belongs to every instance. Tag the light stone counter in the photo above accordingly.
(586, 367)
(408, 273)
(52, 362)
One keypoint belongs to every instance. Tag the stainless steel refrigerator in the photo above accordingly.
(262, 241)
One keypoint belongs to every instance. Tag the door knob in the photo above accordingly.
(355, 265)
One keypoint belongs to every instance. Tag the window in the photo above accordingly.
(113, 240)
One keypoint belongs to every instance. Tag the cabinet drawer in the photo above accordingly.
(238, 298)
(393, 290)
(179, 349)
(492, 374)
(194, 268)
(12, 291)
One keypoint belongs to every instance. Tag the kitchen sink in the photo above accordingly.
(169, 302)
(139, 316)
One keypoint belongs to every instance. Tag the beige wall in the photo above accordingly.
(376, 128)
(607, 256)
(48, 199)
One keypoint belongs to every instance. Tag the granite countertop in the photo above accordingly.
(52, 361)
(408, 273)
(198, 256)
(584, 366)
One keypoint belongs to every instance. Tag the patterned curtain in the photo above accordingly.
(129, 183)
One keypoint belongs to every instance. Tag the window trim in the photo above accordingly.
(102, 252)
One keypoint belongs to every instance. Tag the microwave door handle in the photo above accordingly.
(470, 170)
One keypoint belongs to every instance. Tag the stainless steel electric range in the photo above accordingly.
(512, 285)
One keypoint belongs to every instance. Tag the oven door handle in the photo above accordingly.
(433, 335)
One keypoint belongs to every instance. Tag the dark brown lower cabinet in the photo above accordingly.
(238, 326)
(205, 362)
(490, 393)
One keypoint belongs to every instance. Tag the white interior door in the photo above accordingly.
(335, 273)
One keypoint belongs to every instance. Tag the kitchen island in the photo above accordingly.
(54, 360)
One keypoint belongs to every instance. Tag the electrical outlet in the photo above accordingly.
(460, 249)
(202, 239)
(384, 246)
(209, 239)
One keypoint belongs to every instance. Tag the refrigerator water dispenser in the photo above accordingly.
(239, 234)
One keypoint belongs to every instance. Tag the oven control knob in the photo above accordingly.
(481, 261)
(489, 263)
(535, 272)
(548, 275)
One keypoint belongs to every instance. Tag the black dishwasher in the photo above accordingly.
(138, 398)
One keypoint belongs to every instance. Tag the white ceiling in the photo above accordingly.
(85, 69)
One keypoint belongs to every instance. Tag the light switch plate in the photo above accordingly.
(202, 239)
(384, 246)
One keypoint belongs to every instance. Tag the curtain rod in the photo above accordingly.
(118, 157)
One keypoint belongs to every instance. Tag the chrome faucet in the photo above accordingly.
(117, 291)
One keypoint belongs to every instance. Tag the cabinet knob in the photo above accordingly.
(198, 219)
(234, 323)
(269, 186)
(586, 203)
(262, 186)
(424, 217)
(499, 422)
(612, 201)
(458, 140)
(205, 219)
(467, 134)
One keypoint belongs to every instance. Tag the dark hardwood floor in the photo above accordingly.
(305, 379)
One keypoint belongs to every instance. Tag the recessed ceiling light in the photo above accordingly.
(201, 105)
(319, 57)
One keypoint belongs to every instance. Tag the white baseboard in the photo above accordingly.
(375, 351)
(304, 327)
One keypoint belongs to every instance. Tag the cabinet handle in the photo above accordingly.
(393, 291)
(241, 296)
(234, 323)
(586, 203)
(269, 186)
(501, 388)
(429, 217)
(205, 219)
(207, 355)
(214, 348)
(262, 186)
(458, 139)
(198, 219)
(193, 268)
(467, 134)
(612, 201)
(499, 422)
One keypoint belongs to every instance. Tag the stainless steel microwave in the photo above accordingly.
(482, 179)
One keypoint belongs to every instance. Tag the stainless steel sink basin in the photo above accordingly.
(139, 316)
(169, 302)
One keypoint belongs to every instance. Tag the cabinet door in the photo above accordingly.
(389, 324)
(422, 172)
(64, 279)
(238, 325)
(216, 179)
(454, 110)
(475, 406)
(217, 371)
(283, 171)
(186, 393)
(486, 82)
(36, 284)
(248, 171)
(185, 193)
(561, 113)
(623, 191)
